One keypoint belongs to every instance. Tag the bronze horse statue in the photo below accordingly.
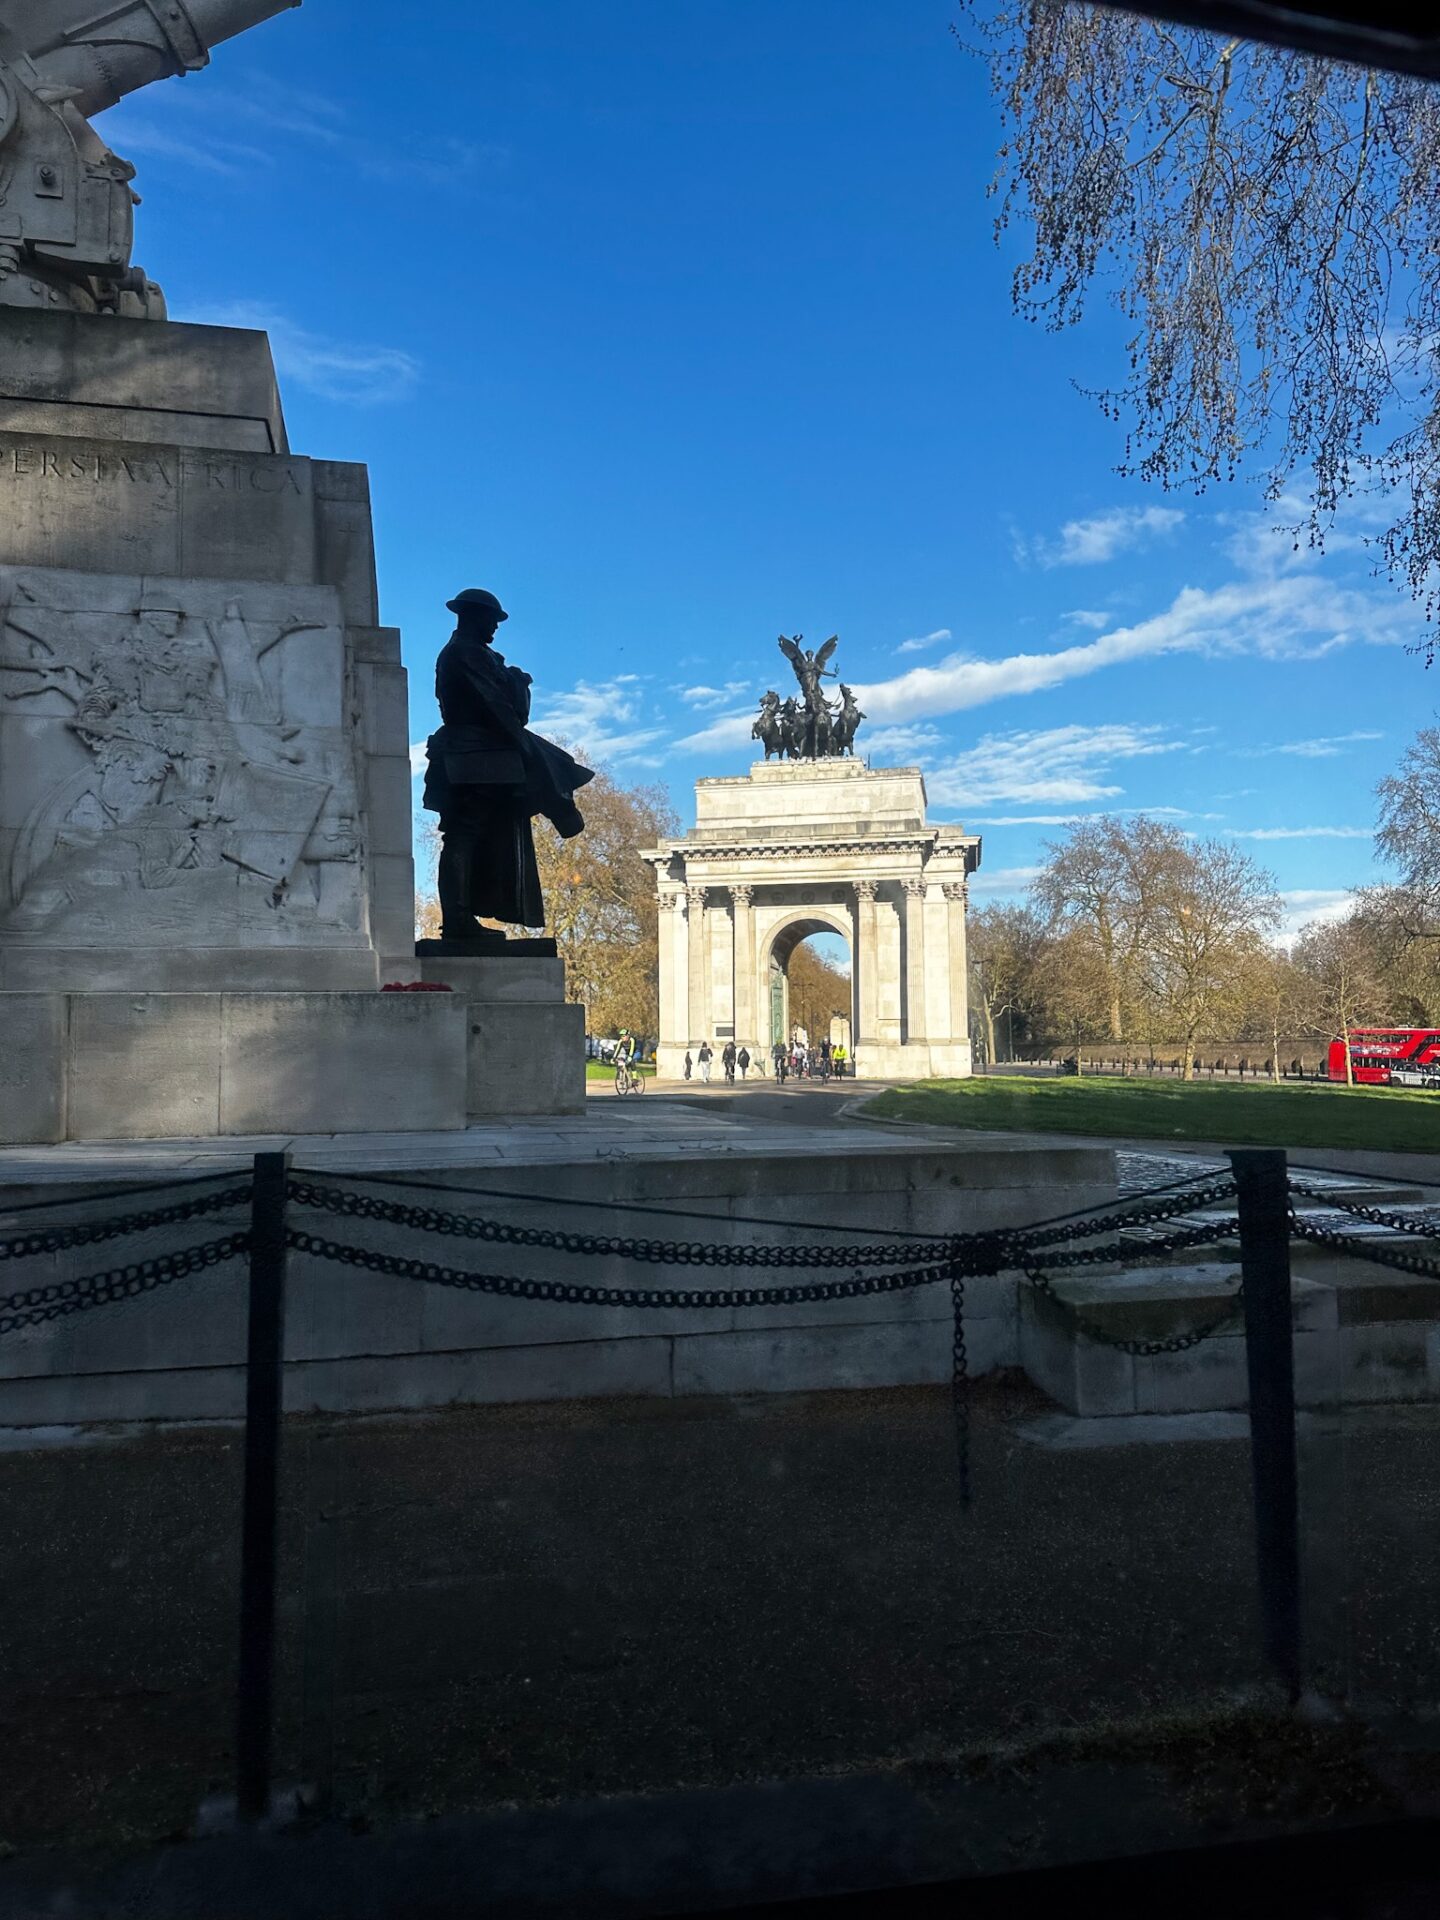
(846, 723)
(768, 729)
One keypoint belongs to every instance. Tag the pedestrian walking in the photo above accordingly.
(689, 1064)
(705, 1056)
(743, 1058)
(727, 1060)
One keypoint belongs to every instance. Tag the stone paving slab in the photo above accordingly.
(614, 1131)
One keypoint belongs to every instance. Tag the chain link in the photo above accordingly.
(960, 1384)
(1128, 1255)
(584, 1294)
(56, 1239)
(1416, 1229)
(1381, 1253)
(994, 1251)
(37, 1305)
(1136, 1216)
(1145, 1349)
(677, 1253)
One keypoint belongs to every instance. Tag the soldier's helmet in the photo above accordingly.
(477, 597)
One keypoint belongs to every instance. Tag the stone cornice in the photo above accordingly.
(705, 850)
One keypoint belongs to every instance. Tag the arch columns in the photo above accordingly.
(957, 899)
(698, 956)
(864, 959)
(916, 1025)
(746, 984)
(791, 848)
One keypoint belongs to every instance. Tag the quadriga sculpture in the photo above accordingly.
(811, 728)
(66, 222)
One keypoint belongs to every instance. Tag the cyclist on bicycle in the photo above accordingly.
(626, 1056)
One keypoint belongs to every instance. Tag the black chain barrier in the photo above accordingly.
(670, 1253)
(57, 1239)
(1015, 1243)
(1378, 1251)
(1143, 1214)
(37, 1305)
(960, 1384)
(1172, 1343)
(1416, 1229)
(968, 1258)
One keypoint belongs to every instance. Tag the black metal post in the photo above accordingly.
(263, 1390)
(1262, 1180)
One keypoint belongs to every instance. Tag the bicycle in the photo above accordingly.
(628, 1079)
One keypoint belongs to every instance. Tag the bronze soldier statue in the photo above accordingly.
(487, 776)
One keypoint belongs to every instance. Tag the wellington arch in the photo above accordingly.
(800, 847)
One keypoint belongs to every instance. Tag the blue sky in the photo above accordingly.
(680, 325)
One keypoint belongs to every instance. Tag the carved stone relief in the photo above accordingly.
(177, 764)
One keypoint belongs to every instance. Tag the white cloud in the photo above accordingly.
(712, 696)
(1297, 618)
(1070, 819)
(417, 757)
(1304, 904)
(1056, 763)
(926, 640)
(1088, 617)
(1268, 543)
(1004, 880)
(1324, 748)
(211, 154)
(332, 369)
(1087, 543)
(888, 740)
(1301, 833)
(600, 720)
(733, 730)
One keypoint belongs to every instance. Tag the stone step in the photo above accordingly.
(1362, 1335)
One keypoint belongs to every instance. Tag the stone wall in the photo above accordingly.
(362, 1341)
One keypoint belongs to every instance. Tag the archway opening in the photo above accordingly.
(810, 982)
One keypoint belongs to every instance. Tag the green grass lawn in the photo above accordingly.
(603, 1070)
(1387, 1119)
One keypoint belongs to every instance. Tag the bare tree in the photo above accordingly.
(1103, 883)
(1269, 226)
(1409, 838)
(1212, 911)
(1270, 997)
(1073, 987)
(1344, 990)
(1005, 945)
(818, 991)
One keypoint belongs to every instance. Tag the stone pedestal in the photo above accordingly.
(525, 1044)
(204, 767)
(156, 1066)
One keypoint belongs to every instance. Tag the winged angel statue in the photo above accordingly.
(811, 728)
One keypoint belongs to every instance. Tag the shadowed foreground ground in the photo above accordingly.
(524, 1604)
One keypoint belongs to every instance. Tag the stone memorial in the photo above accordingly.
(206, 875)
(816, 841)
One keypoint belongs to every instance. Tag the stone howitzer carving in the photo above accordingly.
(812, 728)
(66, 203)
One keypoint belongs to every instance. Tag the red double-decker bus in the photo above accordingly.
(1385, 1056)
